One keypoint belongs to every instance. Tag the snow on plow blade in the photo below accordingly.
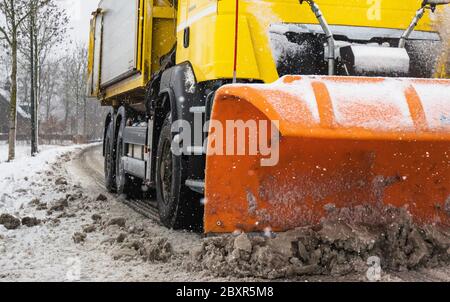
(343, 142)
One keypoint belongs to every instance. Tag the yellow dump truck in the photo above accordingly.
(351, 117)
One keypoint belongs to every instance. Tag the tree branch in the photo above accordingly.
(5, 36)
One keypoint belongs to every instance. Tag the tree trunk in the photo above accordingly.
(36, 86)
(66, 114)
(33, 91)
(13, 103)
(84, 118)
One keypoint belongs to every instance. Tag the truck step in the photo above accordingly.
(196, 185)
(135, 135)
(135, 167)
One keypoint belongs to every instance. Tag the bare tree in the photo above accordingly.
(14, 13)
(50, 86)
(45, 29)
(75, 65)
(66, 91)
(23, 85)
(5, 63)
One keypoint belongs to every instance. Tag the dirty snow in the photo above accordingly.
(189, 81)
(341, 245)
(78, 232)
(15, 176)
(73, 230)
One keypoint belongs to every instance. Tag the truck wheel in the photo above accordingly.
(109, 159)
(123, 181)
(179, 207)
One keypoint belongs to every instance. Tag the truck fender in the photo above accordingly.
(180, 84)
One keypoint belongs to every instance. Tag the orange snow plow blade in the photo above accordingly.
(343, 142)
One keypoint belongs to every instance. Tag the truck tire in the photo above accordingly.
(109, 164)
(179, 207)
(123, 181)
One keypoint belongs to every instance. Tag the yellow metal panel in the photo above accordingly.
(140, 35)
(164, 12)
(90, 64)
(211, 22)
(371, 13)
(147, 43)
(211, 50)
(182, 15)
(212, 61)
(163, 32)
(122, 87)
(163, 40)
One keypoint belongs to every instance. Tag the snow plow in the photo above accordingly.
(352, 118)
(344, 142)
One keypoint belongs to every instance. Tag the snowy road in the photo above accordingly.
(84, 236)
(92, 162)
(48, 251)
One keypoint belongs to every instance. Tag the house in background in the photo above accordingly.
(23, 121)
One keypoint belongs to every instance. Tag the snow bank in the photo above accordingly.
(15, 176)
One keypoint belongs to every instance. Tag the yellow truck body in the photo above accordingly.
(212, 24)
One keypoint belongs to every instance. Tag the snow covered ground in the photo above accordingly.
(15, 175)
(68, 228)
(23, 151)
(65, 230)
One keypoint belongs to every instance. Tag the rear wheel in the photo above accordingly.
(123, 181)
(109, 164)
(179, 207)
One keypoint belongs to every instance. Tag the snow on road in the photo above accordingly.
(67, 228)
(58, 223)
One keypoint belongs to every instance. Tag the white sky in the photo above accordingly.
(79, 12)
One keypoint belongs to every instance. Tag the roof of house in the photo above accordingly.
(20, 111)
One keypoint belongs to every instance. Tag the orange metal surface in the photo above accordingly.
(344, 142)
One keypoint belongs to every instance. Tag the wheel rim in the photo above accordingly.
(165, 172)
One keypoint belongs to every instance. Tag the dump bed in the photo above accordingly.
(122, 55)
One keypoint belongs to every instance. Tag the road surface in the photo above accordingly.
(86, 234)
(92, 162)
